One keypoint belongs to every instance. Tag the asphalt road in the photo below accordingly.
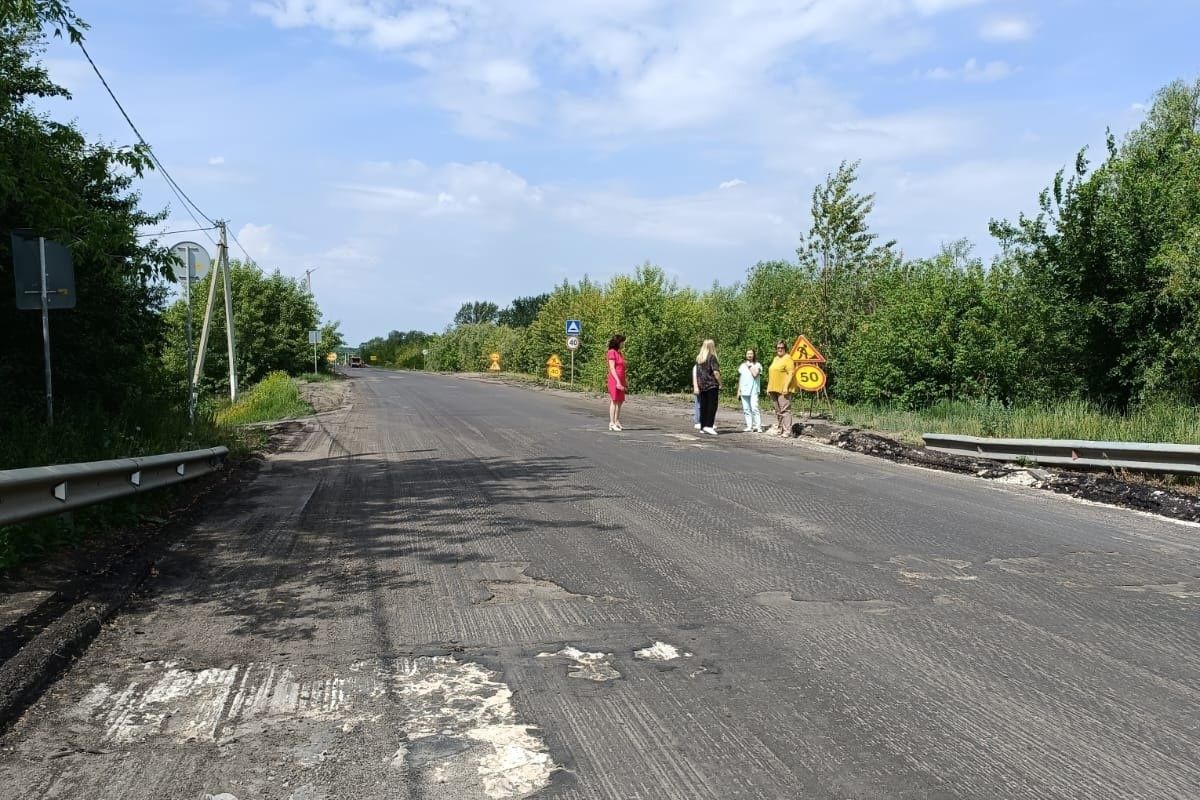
(459, 589)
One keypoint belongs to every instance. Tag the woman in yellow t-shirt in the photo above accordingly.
(779, 387)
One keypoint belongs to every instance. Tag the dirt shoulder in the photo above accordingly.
(51, 608)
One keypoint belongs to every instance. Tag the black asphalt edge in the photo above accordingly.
(1097, 487)
(48, 654)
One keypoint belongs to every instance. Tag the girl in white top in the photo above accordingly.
(749, 385)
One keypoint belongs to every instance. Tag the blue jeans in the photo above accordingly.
(696, 409)
(750, 411)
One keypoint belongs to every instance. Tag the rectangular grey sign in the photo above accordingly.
(27, 269)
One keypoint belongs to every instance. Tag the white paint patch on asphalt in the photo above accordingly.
(458, 711)
(660, 651)
(1181, 591)
(590, 666)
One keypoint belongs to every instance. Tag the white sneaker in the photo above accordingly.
(710, 431)
(747, 430)
(696, 426)
(758, 430)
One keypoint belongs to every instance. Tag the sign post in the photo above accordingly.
(46, 331)
(45, 279)
(194, 263)
(313, 338)
(574, 330)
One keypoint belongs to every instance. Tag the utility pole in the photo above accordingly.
(220, 272)
(308, 277)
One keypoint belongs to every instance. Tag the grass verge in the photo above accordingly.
(274, 397)
(1070, 419)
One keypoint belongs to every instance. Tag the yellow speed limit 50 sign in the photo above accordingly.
(810, 377)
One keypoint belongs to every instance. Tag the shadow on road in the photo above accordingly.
(327, 539)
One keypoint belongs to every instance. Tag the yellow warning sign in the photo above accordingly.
(554, 361)
(495, 365)
(804, 351)
(373, 358)
(810, 378)
(332, 357)
(554, 372)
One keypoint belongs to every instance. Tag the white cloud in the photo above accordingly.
(216, 161)
(489, 192)
(1006, 29)
(621, 67)
(973, 72)
(362, 21)
(494, 197)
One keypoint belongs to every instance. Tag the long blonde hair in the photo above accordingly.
(709, 348)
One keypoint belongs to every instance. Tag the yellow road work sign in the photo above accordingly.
(810, 377)
(373, 358)
(554, 361)
(495, 365)
(554, 371)
(805, 351)
(332, 357)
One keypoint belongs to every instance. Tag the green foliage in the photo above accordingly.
(397, 349)
(1109, 250)
(274, 397)
(55, 182)
(522, 311)
(272, 314)
(477, 313)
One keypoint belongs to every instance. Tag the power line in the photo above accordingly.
(184, 199)
(171, 233)
(171, 182)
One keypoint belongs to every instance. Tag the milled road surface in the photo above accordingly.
(458, 589)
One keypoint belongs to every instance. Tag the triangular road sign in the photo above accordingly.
(554, 361)
(804, 350)
(573, 327)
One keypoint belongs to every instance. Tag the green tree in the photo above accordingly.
(522, 311)
(474, 313)
(56, 183)
(272, 313)
(1108, 248)
(842, 253)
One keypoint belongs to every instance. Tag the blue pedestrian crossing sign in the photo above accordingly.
(573, 327)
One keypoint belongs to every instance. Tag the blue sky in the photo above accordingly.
(422, 154)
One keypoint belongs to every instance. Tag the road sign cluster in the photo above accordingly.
(809, 376)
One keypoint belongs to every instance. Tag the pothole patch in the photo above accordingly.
(921, 568)
(506, 582)
(589, 666)
(456, 732)
(822, 608)
(660, 651)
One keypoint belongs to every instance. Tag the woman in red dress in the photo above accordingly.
(616, 381)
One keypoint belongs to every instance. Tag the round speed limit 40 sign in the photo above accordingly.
(810, 377)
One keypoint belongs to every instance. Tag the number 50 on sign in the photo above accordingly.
(810, 377)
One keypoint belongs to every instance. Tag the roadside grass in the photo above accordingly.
(144, 426)
(1070, 419)
(275, 397)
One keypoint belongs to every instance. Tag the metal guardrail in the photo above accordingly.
(42, 491)
(1176, 458)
